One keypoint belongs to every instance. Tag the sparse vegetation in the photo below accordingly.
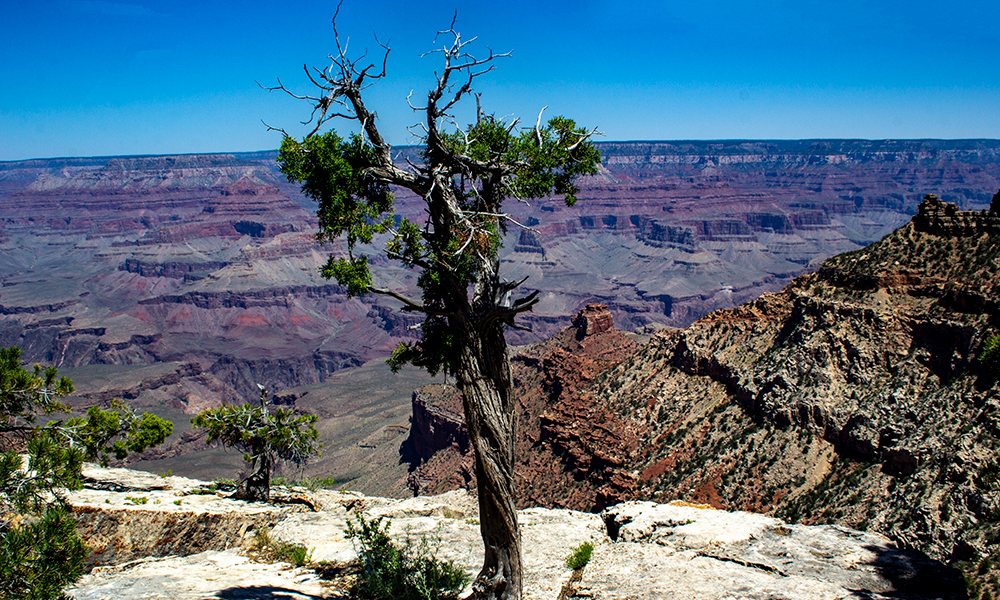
(312, 483)
(392, 572)
(580, 556)
(271, 548)
(989, 356)
(40, 551)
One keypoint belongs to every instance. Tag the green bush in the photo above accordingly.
(391, 572)
(41, 557)
(580, 556)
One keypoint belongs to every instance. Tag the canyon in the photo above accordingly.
(180, 282)
(847, 393)
(210, 259)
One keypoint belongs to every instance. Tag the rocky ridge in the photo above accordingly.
(156, 537)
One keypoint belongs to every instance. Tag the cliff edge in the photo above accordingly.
(167, 537)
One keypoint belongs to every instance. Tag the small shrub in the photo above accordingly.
(984, 566)
(136, 499)
(274, 549)
(391, 572)
(296, 554)
(580, 556)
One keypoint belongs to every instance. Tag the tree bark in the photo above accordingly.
(484, 378)
(256, 487)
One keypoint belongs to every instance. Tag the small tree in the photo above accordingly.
(264, 437)
(465, 176)
(41, 552)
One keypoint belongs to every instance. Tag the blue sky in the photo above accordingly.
(96, 77)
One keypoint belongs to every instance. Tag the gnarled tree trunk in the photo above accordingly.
(256, 487)
(484, 378)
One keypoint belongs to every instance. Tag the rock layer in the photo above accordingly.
(854, 396)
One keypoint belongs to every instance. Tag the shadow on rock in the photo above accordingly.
(915, 575)
(263, 592)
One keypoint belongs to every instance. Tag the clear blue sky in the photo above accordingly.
(94, 77)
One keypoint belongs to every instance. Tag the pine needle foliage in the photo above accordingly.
(40, 551)
(264, 437)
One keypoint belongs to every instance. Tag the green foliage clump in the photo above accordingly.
(989, 356)
(391, 572)
(351, 204)
(580, 556)
(41, 556)
(40, 551)
(356, 204)
(118, 432)
(989, 475)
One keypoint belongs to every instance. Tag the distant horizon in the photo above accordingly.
(597, 142)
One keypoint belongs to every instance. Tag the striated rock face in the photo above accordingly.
(594, 319)
(854, 396)
(436, 423)
(945, 218)
(211, 194)
(641, 550)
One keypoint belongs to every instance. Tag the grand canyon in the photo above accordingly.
(692, 341)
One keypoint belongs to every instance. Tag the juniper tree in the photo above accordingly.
(40, 550)
(264, 437)
(465, 176)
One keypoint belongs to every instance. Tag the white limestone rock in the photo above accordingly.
(642, 550)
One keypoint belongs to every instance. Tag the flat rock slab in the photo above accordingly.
(642, 550)
(680, 551)
(209, 574)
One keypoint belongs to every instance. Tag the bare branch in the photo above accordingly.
(583, 137)
(408, 304)
(270, 128)
(538, 126)
(525, 304)
(415, 108)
